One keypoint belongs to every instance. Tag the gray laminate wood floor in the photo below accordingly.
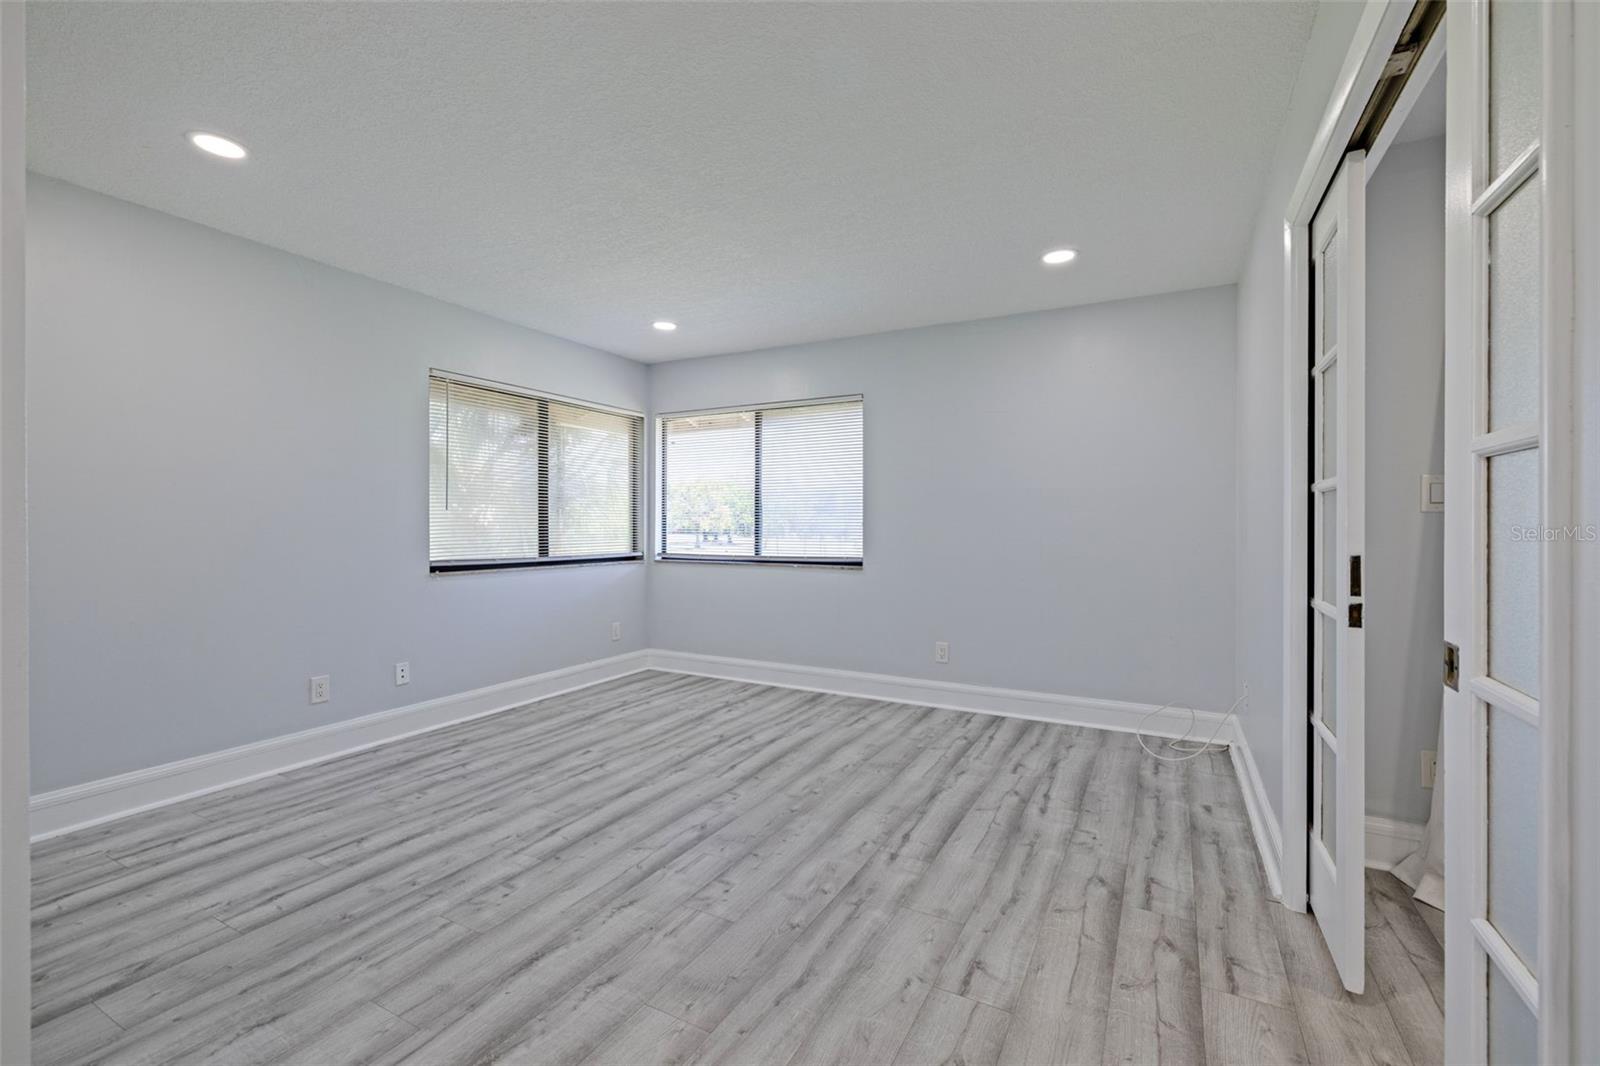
(677, 869)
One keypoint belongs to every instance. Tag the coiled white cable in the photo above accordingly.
(1183, 744)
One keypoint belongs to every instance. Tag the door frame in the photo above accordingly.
(1376, 33)
(15, 962)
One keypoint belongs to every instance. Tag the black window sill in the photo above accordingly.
(471, 566)
(746, 560)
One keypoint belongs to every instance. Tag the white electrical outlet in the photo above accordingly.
(941, 651)
(616, 630)
(321, 688)
(1430, 766)
(402, 673)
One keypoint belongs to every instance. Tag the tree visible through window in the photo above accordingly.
(710, 484)
(780, 483)
(521, 479)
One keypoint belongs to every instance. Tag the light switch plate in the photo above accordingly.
(1432, 496)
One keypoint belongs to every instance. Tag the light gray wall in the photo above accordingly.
(1051, 493)
(228, 475)
(1404, 565)
(1258, 623)
(228, 450)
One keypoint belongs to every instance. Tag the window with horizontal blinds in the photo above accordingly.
(768, 484)
(523, 479)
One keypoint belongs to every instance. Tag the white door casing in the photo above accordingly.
(1335, 843)
(15, 970)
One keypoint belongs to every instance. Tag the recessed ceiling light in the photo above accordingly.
(219, 146)
(665, 326)
(1059, 256)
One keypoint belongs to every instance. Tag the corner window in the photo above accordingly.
(778, 484)
(521, 478)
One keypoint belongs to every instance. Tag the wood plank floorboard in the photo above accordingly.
(677, 869)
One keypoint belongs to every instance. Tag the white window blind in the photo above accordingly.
(518, 478)
(771, 484)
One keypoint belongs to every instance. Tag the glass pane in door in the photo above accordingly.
(1514, 309)
(1513, 569)
(1513, 1030)
(1329, 796)
(1328, 543)
(1514, 832)
(1515, 73)
(1330, 672)
(1328, 433)
(1330, 294)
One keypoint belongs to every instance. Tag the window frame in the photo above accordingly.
(638, 446)
(659, 526)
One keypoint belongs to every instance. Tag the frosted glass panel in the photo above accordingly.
(1327, 535)
(1514, 569)
(1515, 71)
(1328, 437)
(1330, 673)
(1514, 308)
(1330, 296)
(1514, 832)
(1513, 1030)
(1330, 799)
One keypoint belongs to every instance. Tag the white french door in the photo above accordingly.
(1336, 846)
(1499, 660)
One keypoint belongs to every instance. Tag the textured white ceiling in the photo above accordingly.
(762, 173)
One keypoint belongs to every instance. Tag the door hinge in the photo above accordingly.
(1355, 616)
(1355, 575)
(1452, 666)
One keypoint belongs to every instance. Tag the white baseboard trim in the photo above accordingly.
(1263, 823)
(1006, 702)
(1390, 840)
(1013, 703)
(94, 802)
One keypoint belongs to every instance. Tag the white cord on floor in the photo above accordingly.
(1182, 743)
